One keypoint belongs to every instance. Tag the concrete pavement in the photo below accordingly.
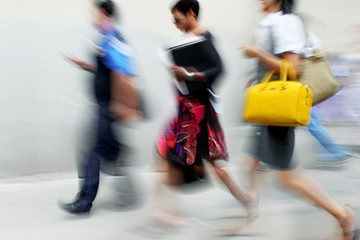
(28, 210)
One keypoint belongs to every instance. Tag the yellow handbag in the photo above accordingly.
(279, 102)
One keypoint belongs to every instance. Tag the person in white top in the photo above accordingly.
(281, 36)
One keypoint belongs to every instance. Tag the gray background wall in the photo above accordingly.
(45, 100)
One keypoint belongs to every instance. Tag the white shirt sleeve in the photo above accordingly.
(288, 35)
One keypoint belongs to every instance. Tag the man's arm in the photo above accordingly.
(81, 64)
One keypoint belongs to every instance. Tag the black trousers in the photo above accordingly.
(104, 146)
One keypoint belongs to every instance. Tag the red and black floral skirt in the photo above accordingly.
(193, 134)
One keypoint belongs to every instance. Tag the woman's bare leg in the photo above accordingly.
(170, 177)
(247, 200)
(295, 180)
(252, 164)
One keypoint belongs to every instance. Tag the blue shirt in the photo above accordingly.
(118, 54)
(115, 55)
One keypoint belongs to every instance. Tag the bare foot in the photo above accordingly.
(161, 223)
(252, 207)
(170, 219)
(347, 225)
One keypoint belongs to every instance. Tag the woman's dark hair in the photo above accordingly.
(108, 6)
(184, 6)
(287, 6)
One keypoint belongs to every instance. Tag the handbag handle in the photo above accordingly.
(286, 69)
(283, 72)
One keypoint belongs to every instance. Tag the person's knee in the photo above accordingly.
(160, 164)
(175, 175)
(285, 180)
(219, 172)
(251, 164)
(199, 170)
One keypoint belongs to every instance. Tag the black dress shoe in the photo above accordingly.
(76, 206)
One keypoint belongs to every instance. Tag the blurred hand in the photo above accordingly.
(179, 73)
(80, 63)
(250, 50)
